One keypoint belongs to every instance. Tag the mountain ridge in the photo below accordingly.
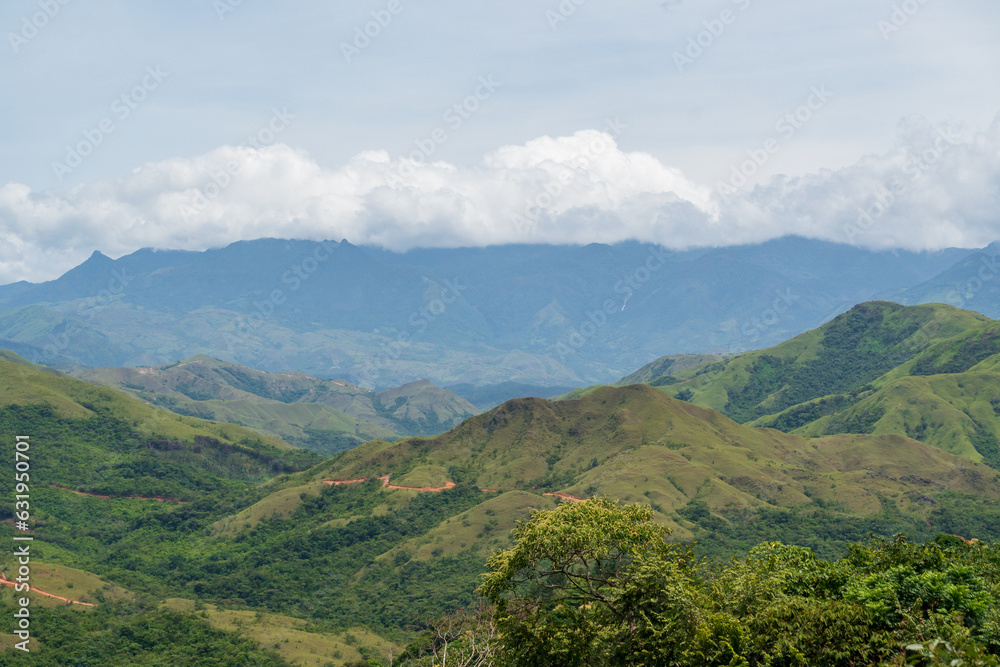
(322, 415)
(537, 315)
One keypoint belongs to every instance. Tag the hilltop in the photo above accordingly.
(325, 416)
(928, 372)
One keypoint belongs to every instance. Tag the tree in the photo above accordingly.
(591, 583)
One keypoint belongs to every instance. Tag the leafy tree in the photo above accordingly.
(590, 583)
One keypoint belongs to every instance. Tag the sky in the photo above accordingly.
(445, 123)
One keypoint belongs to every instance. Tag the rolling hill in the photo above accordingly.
(101, 441)
(926, 372)
(325, 416)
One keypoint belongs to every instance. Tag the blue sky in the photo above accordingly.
(873, 83)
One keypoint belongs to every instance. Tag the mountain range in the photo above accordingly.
(536, 316)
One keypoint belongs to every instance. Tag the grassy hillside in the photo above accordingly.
(325, 416)
(842, 356)
(662, 370)
(97, 440)
(636, 443)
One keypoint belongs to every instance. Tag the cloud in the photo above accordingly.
(936, 187)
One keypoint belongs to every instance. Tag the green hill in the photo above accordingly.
(101, 441)
(842, 356)
(704, 475)
(662, 370)
(637, 444)
(325, 416)
(927, 372)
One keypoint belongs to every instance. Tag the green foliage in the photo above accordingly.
(684, 395)
(562, 594)
(129, 634)
(960, 356)
(593, 584)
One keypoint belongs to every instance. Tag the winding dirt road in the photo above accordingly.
(7, 582)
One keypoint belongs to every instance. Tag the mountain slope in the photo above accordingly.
(926, 372)
(842, 356)
(959, 413)
(635, 442)
(100, 441)
(388, 533)
(660, 372)
(322, 415)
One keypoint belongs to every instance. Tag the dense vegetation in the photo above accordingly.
(260, 532)
(593, 583)
(926, 372)
(127, 634)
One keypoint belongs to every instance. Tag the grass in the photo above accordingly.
(290, 637)
(278, 505)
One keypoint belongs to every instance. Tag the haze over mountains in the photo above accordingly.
(541, 316)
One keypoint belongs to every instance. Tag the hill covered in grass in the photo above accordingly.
(98, 440)
(325, 416)
(927, 372)
(846, 354)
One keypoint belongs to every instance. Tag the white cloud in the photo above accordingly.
(577, 189)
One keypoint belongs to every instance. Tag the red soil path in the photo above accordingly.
(97, 495)
(7, 582)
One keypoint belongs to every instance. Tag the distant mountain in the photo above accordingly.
(325, 416)
(487, 397)
(545, 316)
(972, 283)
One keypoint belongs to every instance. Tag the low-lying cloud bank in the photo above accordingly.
(938, 187)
